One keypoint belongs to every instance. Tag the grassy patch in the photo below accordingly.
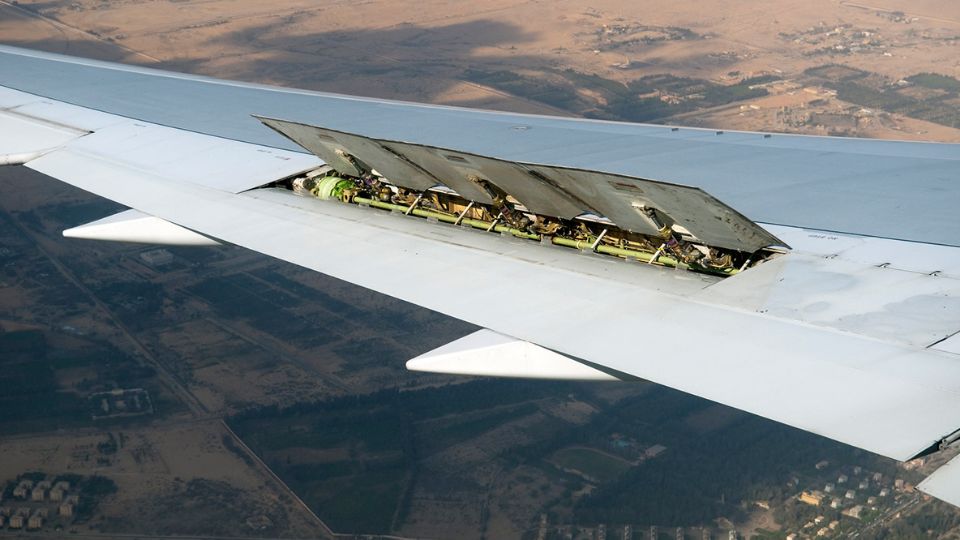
(591, 463)
(631, 101)
(472, 427)
(935, 81)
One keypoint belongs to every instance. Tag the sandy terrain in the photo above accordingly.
(225, 386)
(156, 464)
(419, 51)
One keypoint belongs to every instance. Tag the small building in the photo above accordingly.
(813, 498)
(56, 494)
(871, 500)
(829, 488)
(45, 484)
(818, 520)
(65, 509)
(6, 511)
(654, 451)
(857, 470)
(35, 522)
(157, 257)
(833, 525)
(913, 464)
(23, 489)
(792, 536)
(851, 494)
(864, 484)
(822, 465)
(853, 512)
(884, 492)
(877, 477)
(842, 479)
(37, 494)
(16, 522)
(836, 503)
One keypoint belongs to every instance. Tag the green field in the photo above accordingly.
(592, 463)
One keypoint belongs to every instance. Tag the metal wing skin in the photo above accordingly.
(840, 316)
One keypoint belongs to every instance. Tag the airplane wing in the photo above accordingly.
(811, 280)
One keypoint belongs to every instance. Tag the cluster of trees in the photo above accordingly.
(934, 517)
(855, 86)
(702, 476)
(423, 403)
(561, 89)
(363, 493)
(140, 301)
(29, 394)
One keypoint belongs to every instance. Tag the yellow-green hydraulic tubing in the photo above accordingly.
(577, 244)
(446, 218)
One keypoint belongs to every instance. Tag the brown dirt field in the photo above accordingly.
(228, 373)
(418, 51)
(151, 471)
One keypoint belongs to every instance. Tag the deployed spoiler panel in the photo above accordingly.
(634, 204)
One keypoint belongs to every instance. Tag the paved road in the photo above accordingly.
(168, 378)
(888, 516)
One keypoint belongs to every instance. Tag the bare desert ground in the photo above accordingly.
(159, 468)
(426, 51)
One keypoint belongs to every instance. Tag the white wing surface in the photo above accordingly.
(848, 334)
